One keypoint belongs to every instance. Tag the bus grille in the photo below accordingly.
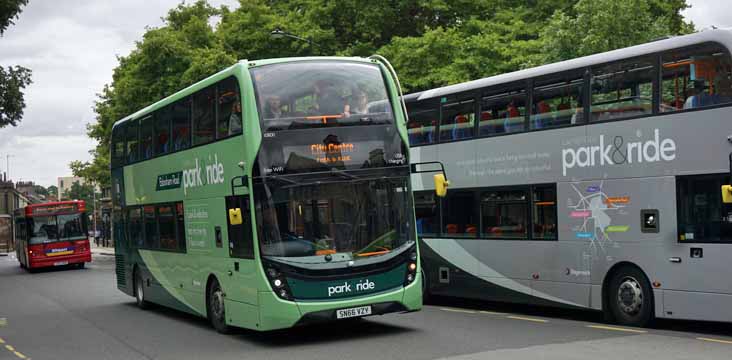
(119, 261)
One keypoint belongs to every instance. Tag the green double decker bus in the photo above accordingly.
(272, 194)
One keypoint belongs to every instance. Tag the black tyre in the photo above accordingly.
(81, 265)
(140, 298)
(630, 298)
(216, 308)
(425, 287)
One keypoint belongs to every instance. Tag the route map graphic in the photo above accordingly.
(596, 209)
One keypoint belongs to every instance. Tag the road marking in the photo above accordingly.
(2, 341)
(491, 312)
(3, 322)
(527, 319)
(20, 355)
(10, 348)
(615, 328)
(715, 340)
(458, 310)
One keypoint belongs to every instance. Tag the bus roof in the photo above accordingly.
(721, 36)
(244, 64)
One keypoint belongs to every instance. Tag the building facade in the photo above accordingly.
(10, 199)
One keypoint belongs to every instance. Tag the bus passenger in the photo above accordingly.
(235, 118)
(329, 102)
(273, 108)
(359, 103)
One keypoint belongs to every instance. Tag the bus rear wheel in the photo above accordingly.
(216, 308)
(630, 297)
(140, 298)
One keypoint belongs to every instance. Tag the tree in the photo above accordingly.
(79, 191)
(52, 190)
(9, 10)
(15, 78)
(12, 100)
(604, 25)
(431, 43)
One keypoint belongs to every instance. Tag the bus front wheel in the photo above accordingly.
(140, 298)
(630, 297)
(216, 308)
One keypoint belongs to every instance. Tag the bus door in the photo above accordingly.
(241, 266)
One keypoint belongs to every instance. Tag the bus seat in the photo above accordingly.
(451, 228)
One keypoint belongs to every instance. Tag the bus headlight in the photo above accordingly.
(277, 281)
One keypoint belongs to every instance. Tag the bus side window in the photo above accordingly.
(181, 124)
(423, 118)
(505, 213)
(204, 116)
(134, 227)
(457, 120)
(166, 226)
(146, 138)
(180, 226)
(162, 130)
(118, 146)
(622, 89)
(557, 101)
(696, 77)
(152, 238)
(502, 111)
(229, 109)
(427, 210)
(460, 216)
(132, 138)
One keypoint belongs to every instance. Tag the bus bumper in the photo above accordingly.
(36, 263)
(275, 313)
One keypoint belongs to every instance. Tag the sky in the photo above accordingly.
(72, 48)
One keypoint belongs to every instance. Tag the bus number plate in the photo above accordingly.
(353, 312)
(60, 263)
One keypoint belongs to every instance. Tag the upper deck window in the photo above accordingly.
(229, 112)
(458, 119)
(423, 119)
(557, 101)
(310, 94)
(204, 116)
(503, 111)
(623, 89)
(696, 77)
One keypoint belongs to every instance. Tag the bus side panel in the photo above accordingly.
(690, 305)
(607, 214)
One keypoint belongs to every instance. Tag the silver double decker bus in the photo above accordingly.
(589, 183)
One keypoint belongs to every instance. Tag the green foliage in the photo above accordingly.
(12, 100)
(84, 192)
(431, 43)
(9, 10)
(603, 25)
(52, 190)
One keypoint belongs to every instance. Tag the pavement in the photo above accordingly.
(79, 313)
(101, 250)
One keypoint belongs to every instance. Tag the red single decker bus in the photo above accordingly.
(52, 234)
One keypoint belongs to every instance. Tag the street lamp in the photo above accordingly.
(279, 33)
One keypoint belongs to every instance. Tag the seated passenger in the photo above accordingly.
(328, 101)
(235, 118)
(698, 97)
(359, 103)
(512, 122)
(273, 108)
